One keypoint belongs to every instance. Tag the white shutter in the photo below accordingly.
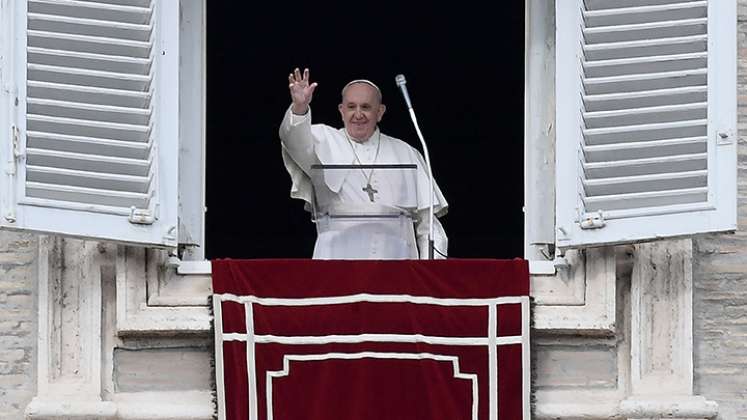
(97, 120)
(646, 119)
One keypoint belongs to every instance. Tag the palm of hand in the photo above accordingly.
(300, 89)
(301, 92)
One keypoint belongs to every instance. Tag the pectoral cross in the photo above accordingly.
(370, 190)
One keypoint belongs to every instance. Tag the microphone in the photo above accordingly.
(400, 80)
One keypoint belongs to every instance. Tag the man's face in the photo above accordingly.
(361, 110)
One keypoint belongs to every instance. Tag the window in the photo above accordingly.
(468, 101)
(646, 120)
(102, 132)
(642, 139)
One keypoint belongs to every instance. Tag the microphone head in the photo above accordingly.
(400, 80)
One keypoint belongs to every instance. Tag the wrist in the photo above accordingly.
(299, 109)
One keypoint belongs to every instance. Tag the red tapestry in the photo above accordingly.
(320, 340)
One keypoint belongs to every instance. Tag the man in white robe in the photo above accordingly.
(355, 190)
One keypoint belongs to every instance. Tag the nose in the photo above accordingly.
(358, 114)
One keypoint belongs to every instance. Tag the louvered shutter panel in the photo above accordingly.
(646, 119)
(98, 120)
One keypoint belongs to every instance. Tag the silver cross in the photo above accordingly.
(370, 190)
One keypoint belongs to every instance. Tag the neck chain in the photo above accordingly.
(368, 188)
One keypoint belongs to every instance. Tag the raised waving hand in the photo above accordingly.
(301, 91)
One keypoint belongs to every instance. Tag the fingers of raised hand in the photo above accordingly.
(298, 83)
(297, 78)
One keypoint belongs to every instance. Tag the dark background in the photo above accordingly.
(465, 72)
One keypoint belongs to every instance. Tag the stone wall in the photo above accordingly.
(577, 366)
(720, 284)
(17, 323)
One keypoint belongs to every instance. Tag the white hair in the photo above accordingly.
(365, 81)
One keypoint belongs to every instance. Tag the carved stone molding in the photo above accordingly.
(168, 286)
(579, 298)
(661, 360)
(153, 299)
(69, 342)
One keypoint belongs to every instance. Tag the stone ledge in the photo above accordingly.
(669, 407)
(60, 408)
(184, 405)
(165, 321)
(576, 410)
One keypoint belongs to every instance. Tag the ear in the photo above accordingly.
(342, 115)
(380, 114)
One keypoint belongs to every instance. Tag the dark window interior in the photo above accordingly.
(465, 72)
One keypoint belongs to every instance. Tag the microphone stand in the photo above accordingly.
(400, 80)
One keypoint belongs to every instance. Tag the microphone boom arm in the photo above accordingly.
(400, 80)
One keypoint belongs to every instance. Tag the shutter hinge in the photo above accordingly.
(141, 216)
(11, 170)
(16, 153)
(16, 142)
(593, 220)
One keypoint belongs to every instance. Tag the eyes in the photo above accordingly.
(363, 107)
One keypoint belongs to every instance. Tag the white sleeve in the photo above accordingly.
(440, 241)
(297, 140)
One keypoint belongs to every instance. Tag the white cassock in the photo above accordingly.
(305, 144)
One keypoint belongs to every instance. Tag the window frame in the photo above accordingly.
(179, 208)
(718, 214)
